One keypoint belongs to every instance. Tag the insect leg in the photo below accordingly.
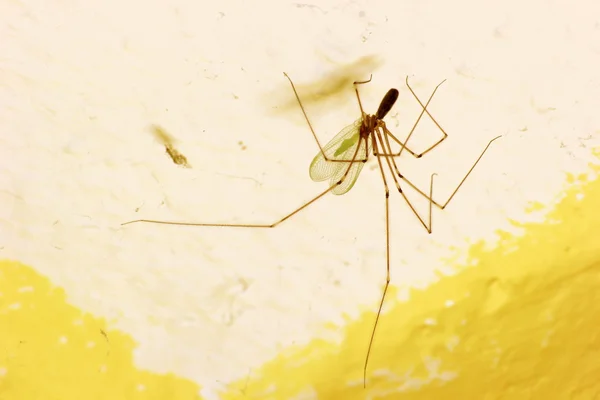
(403, 146)
(272, 225)
(444, 204)
(310, 125)
(387, 252)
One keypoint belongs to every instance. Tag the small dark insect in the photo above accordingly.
(167, 140)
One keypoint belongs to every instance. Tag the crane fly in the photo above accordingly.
(341, 160)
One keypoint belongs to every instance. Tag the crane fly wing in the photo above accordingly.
(354, 171)
(320, 168)
(336, 149)
(341, 147)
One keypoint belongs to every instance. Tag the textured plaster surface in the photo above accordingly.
(81, 86)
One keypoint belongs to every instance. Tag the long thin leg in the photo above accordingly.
(273, 225)
(385, 143)
(387, 253)
(356, 83)
(377, 136)
(403, 146)
(435, 203)
(312, 129)
(363, 82)
(430, 116)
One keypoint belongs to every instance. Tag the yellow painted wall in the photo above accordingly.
(519, 325)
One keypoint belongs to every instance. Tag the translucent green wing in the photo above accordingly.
(354, 172)
(341, 147)
(320, 169)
